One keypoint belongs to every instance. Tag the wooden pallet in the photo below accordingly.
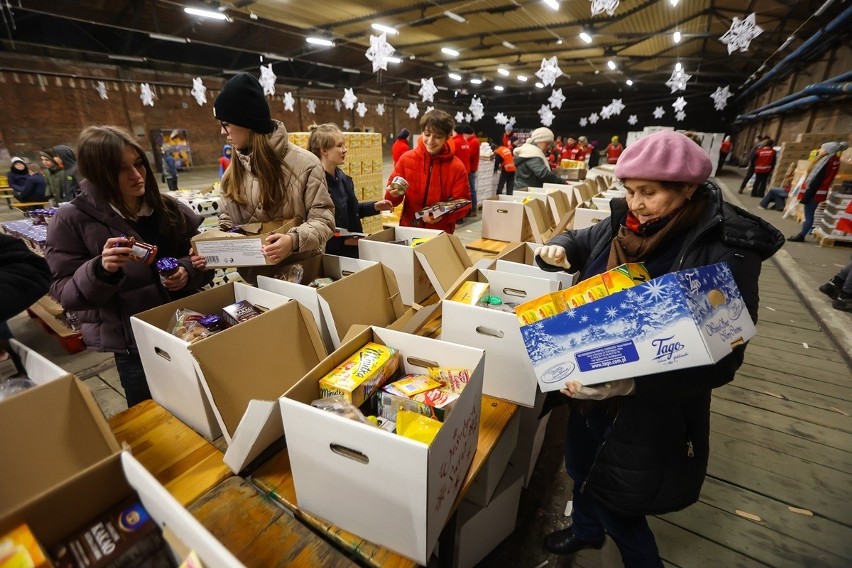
(824, 240)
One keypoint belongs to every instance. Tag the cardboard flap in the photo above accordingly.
(259, 428)
(444, 258)
(420, 318)
(250, 229)
(539, 221)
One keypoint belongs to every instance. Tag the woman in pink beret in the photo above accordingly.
(640, 446)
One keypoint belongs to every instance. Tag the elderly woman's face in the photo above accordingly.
(649, 200)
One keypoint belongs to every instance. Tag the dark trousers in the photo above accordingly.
(777, 197)
(760, 182)
(471, 179)
(132, 376)
(749, 173)
(507, 179)
(172, 183)
(722, 156)
(591, 520)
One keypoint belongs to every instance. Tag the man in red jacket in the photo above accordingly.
(473, 153)
(763, 163)
(614, 150)
(433, 173)
(462, 148)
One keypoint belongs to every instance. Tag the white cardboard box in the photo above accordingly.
(387, 489)
(505, 218)
(321, 266)
(683, 319)
(509, 372)
(531, 432)
(485, 483)
(223, 249)
(519, 258)
(413, 283)
(38, 368)
(558, 203)
(444, 259)
(169, 366)
(587, 217)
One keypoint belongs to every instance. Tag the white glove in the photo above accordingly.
(574, 389)
(554, 255)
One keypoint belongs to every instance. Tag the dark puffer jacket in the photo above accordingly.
(655, 457)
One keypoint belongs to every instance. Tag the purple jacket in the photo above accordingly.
(75, 239)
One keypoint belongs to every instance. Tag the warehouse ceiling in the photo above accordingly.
(491, 37)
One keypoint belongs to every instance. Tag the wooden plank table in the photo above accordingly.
(487, 245)
(24, 207)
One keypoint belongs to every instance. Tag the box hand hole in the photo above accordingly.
(349, 453)
(515, 292)
(417, 362)
(162, 354)
(482, 330)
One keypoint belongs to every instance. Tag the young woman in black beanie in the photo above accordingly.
(269, 178)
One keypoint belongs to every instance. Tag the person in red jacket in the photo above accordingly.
(724, 150)
(508, 134)
(814, 190)
(433, 173)
(763, 163)
(473, 153)
(571, 150)
(614, 150)
(400, 145)
(504, 159)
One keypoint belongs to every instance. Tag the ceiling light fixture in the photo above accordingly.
(384, 28)
(552, 3)
(455, 76)
(504, 72)
(165, 37)
(508, 45)
(673, 2)
(611, 64)
(476, 81)
(319, 41)
(676, 36)
(212, 14)
(393, 59)
(540, 85)
(559, 41)
(450, 51)
(629, 82)
(522, 78)
(126, 58)
(584, 35)
(498, 87)
(454, 16)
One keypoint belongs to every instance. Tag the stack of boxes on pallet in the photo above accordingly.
(363, 165)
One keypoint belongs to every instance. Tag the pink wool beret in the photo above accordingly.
(664, 156)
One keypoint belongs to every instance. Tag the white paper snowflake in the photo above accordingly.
(427, 90)
(346, 125)
(546, 115)
(146, 94)
(549, 71)
(379, 51)
(501, 118)
(601, 6)
(337, 105)
(101, 88)
(617, 106)
(584, 121)
(679, 104)
(593, 118)
(468, 117)
(380, 109)
(199, 91)
(312, 106)
(606, 112)
(720, 97)
(512, 120)
(349, 99)
(741, 33)
(477, 111)
(556, 98)
(659, 112)
(267, 79)
(459, 116)
(680, 115)
(412, 111)
(677, 82)
(361, 109)
(632, 119)
(429, 109)
(289, 101)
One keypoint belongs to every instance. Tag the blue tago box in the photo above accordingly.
(683, 319)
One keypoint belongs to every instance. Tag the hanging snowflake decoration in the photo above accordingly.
(101, 88)
(512, 120)
(659, 112)
(146, 94)
(546, 115)
(680, 115)
(289, 101)
(632, 119)
(593, 118)
(267, 79)
(429, 109)
(476, 109)
(337, 105)
(741, 33)
(412, 111)
(501, 118)
(468, 117)
(601, 6)
(199, 91)
(606, 112)
(616, 106)
(380, 109)
(720, 97)
(549, 71)
(677, 82)
(584, 121)
(312, 106)
(459, 116)
(349, 99)
(679, 104)
(346, 125)
(361, 109)
(379, 51)
(556, 98)
(427, 90)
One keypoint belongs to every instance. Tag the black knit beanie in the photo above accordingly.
(243, 103)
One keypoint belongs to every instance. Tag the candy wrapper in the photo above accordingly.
(342, 407)
(186, 324)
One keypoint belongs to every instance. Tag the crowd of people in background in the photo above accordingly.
(54, 179)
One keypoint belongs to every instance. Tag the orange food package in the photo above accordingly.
(585, 292)
(625, 276)
(19, 548)
(536, 310)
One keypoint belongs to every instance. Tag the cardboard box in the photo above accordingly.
(223, 249)
(573, 174)
(509, 372)
(170, 367)
(63, 467)
(554, 201)
(320, 266)
(444, 259)
(530, 440)
(602, 203)
(587, 217)
(682, 319)
(387, 489)
(479, 529)
(39, 369)
(505, 218)
(519, 258)
(246, 369)
(486, 481)
(413, 283)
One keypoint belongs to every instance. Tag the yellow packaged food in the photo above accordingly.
(362, 374)
(536, 310)
(625, 276)
(411, 385)
(20, 549)
(452, 380)
(416, 426)
(416, 242)
(470, 292)
(584, 292)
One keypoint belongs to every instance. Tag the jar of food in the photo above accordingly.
(398, 186)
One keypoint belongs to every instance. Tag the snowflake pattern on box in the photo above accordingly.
(412, 111)
(312, 106)
(593, 118)
(380, 109)
(741, 33)
(549, 71)
(678, 80)
(199, 91)
(584, 121)
(477, 111)
(379, 51)
(720, 97)
(680, 116)
(632, 119)
(427, 90)
(546, 115)
(556, 98)
(601, 6)
(146, 94)
(289, 101)
(267, 79)
(361, 109)
(659, 112)
(679, 104)
(101, 88)
(459, 117)
(501, 118)
(349, 99)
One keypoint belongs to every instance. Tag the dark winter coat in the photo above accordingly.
(24, 277)
(644, 466)
(347, 211)
(16, 179)
(34, 189)
(532, 168)
(70, 185)
(105, 302)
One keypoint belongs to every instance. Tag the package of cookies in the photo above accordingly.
(362, 374)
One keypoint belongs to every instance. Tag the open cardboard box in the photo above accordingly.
(519, 258)
(558, 203)
(387, 489)
(505, 218)
(319, 266)
(168, 364)
(63, 467)
(413, 283)
(444, 259)
(223, 249)
(509, 372)
(39, 369)
(275, 351)
(587, 217)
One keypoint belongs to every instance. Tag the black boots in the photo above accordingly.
(831, 288)
(564, 542)
(796, 239)
(843, 302)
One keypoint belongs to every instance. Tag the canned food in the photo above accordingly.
(398, 186)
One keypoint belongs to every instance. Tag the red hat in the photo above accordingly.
(665, 156)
